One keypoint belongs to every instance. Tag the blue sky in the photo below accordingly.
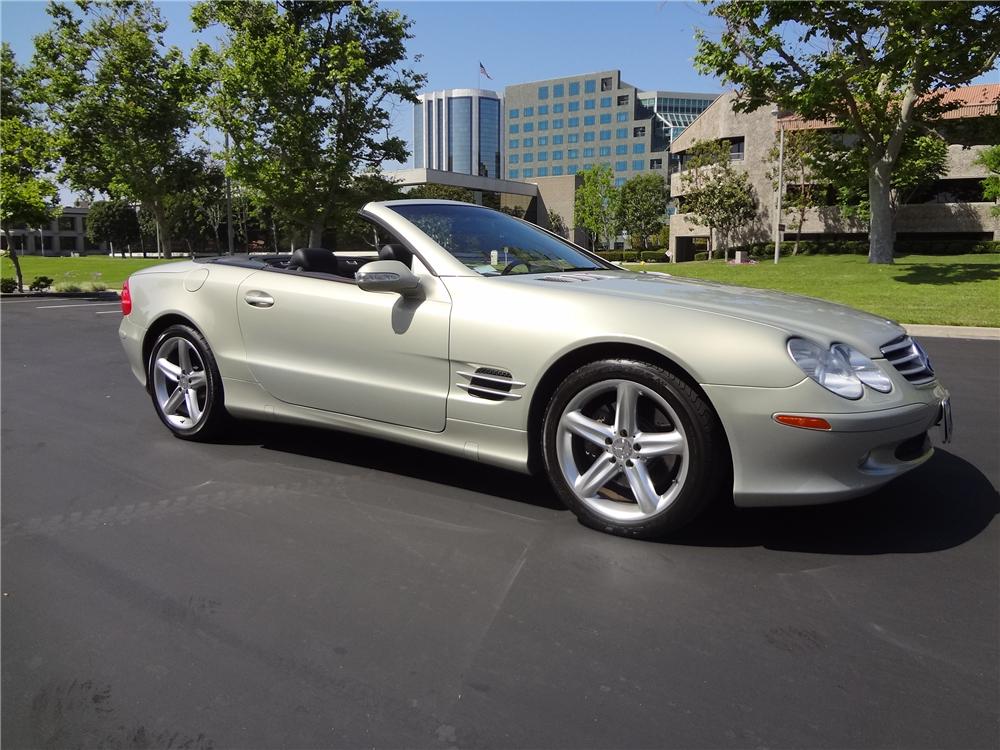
(652, 43)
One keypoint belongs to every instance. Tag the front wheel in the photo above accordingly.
(185, 384)
(632, 449)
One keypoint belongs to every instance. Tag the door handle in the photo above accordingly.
(258, 299)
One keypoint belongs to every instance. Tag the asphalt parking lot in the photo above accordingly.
(299, 588)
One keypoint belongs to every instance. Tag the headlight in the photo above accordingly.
(828, 367)
(864, 369)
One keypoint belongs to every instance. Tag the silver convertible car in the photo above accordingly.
(461, 329)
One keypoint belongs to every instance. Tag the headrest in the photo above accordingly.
(396, 251)
(314, 259)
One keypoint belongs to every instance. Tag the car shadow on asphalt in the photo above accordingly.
(940, 505)
(944, 503)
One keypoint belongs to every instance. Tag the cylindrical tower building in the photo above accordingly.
(458, 130)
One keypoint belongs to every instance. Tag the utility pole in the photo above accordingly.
(781, 189)
(229, 201)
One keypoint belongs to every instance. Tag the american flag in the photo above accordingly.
(482, 71)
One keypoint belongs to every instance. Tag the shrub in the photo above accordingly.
(701, 256)
(7, 285)
(68, 286)
(40, 283)
(98, 286)
(654, 256)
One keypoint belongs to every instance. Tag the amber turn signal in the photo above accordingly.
(806, 423)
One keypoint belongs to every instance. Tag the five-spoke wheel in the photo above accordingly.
(185, 384)
(631, 448)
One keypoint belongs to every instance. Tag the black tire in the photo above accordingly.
(705, 479)
(213, 419)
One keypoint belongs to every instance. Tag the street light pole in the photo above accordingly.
(229, 201)
(781, 189)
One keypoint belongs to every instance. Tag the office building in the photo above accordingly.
(459, 130)
(562, 126)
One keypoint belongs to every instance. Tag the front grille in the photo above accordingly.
(909, 359)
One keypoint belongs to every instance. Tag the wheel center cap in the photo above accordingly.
(184, 382)
(621, 448)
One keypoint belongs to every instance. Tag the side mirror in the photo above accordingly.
(387, 276)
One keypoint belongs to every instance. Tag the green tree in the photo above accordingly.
(28, 195)
(871, 67)
(120, 100)
(442, 192)
(643, 207)
(716, 195)
(596, 207)
(114, 222)
(990, 158)
(803, 186)
(305, 89)
(557, 224)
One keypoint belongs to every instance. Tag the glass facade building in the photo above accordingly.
(459, 130)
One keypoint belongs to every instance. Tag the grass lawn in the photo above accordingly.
(92, 269)
(961, 290)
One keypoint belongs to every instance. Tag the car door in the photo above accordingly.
(324, 343)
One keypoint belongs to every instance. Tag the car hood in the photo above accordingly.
(823, 321)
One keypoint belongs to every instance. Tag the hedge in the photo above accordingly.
(762, 250)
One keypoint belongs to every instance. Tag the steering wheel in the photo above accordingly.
(514, 264)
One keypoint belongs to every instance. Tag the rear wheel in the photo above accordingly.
(632, 449)
(185, 384)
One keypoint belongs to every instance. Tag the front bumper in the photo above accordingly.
(774, 464)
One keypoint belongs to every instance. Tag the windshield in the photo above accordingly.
(492, 243)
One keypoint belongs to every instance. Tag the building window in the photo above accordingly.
(543, 156)
(621, 133)
(543, 110)
(639, 132)
(606, 84)
(589, 87)
(605, 135)
(605, 101)
(656, 163)
(606, 118)
(588, 165)
(638, 164)
(543, 92)
(574, 106)
(557, 155)
(736, 149)
(529, 173)
(529, 111)
(66, 224)
(638, 148)
(623, 100)
(528, 127)
(528, 158)
(557, 124)
(621, 166)
(574, 88)
(512, 159)
(513, 143)
(513, 114)
(515, 128)
(588, 153)
(543, 171)
(588, 136)
(603, 151)
(573, 122)
(623, 117)
(556, 140)
(543, 140)
(460, 135)
(619, 181)
(512, 174)
(571, 169)
(621, 149)
(543, 124)
(573, 138)
(556, 170)
(588, 120)
(590, 104)
(489, 137)
(557, 108)
(528, 142)
(572, 153)
(557, 90)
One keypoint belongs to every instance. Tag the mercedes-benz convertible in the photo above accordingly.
(461, 329)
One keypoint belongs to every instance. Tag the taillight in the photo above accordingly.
(126, 299)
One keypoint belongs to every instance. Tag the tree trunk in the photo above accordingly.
(18, 276)
(161, 223)
(316, 234)
(881, 233)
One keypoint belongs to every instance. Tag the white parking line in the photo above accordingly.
(87, 304)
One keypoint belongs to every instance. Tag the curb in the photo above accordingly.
(108, 294)
(952, 332)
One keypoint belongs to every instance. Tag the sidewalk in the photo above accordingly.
(952, 332)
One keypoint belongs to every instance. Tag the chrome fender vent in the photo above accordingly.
(490, 383)
(909, 359)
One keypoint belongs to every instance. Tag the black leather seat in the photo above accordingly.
(314, 260)
(396, 251)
